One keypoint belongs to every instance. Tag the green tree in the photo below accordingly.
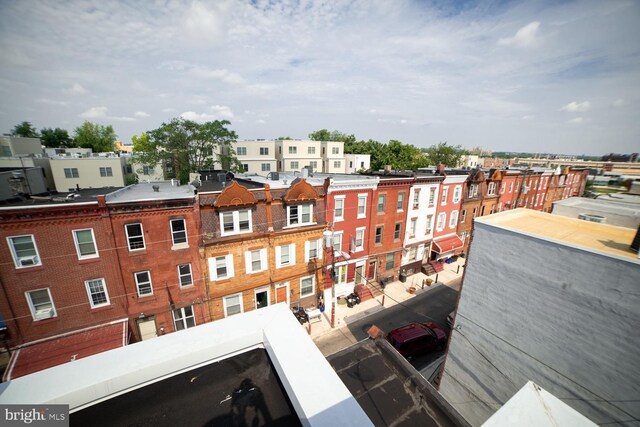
(186, 146)
(283, 138)
(141, 144)
(25, 130)
(100, 139)
(53, 138)
(325, 135)
(443, 153)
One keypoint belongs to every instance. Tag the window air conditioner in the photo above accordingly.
(27, 261)
(44, 313)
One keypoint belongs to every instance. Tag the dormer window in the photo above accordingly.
(235, 222)
(299, 214)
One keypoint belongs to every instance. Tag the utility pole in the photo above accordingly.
(328, 244)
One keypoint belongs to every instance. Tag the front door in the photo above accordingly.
(359, 274)
(372, 270)
(262, 298)
(282, 293)
(147, 328)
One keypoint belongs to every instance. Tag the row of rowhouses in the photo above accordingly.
(98, 269)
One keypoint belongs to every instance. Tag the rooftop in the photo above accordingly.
(625, 205)
(83, 195)
(146, 191)
(603, 238)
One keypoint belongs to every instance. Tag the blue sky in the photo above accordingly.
(552, 76)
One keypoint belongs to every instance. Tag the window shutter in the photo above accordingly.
(306, 251)
(263, 259)
(278, 256)
(247, 262)
(320, 248)
(230, 272)
(292, 254)
(212, 269)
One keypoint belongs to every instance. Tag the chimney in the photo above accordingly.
(387, 168)
(305, 172)
(156, 188)
(440, 168)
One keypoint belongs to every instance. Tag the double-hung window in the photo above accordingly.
(457, 192)
(143, 283)
(71, 173)
(379, 234)
(432, 197)
(382, 201)
(235, 222)
(445, 193)
(264, 151)
(463, 215)
(337, 164)
(337, 241)
(106, 171)
(412, 227)
(453, 220)
(221, 267)
(396, 231)
(295, 165)
(256, 261)
(492, 188)
(179, 232)
(429, 224)
(362, 205)
(184, 318)
(232, 304)
(241, 151)
(306, 286)
(299, 214)
(311, 150)
(359, 240)
(389, 262)
(135, 236)
(266, 167)
(441, 220)
(85, 243)
(473, 190)
(400, 205)
(41, 304)
(97, 292)
(416, 198)
(24, 251)
(312, 250)
(285, 255)
(338, 210)
(335, 150)
(184, 275)
(293, 149)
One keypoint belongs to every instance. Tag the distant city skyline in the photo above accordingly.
(555, 77)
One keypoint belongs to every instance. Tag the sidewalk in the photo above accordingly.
(331, 340)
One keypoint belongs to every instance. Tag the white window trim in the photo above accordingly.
(313, 286)
(213, 272)
(364, 214)
(95, 245)
(300, 223)
(224, 303)
(307, 248)
(16, 260)
(453, 219)
(236, 223)
(144, 243)
(463, 216)
(444, 221)
(292, 255)
(337, 235)
(401, 208)
(364, 236)
(190, 274)
(457, 193)
(184, 318)
(32, 307)
(413, 227)
(341, 217)
(444, 195)
(260, 290)
(186, 235)
(263, 261)
(135, 278)
(106, 293)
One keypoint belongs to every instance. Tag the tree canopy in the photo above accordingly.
(325, 135)
(186, 146)
(25, 130)
(99, 138)
(443, 153)
(54, 138)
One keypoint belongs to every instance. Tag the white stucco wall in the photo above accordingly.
(563, 317)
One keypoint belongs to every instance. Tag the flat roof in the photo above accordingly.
(620, 206)
(145, 191)
(603, 238)
(82, 196)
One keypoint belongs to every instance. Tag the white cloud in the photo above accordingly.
(169, 110)
(77, 89)
(219, 74)
(101, 113)
(524, 37)
(577, 120)
(577, 107)
(619, 103)
(528, 117)
(204, 24)
(260, 121)
(141, 114)
(53, 102)
(217, 112)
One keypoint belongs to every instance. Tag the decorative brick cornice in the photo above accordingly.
(301, 191)
(235, 195)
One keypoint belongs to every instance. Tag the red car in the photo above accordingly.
(417, 339)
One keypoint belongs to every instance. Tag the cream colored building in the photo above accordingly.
(90, 172)
(356, 162)
(257, 156)
(17, 146)
(294, 154)
(333, 160)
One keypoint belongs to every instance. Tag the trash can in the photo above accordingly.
(403, 277)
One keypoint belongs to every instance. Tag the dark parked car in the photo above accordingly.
(417, 339)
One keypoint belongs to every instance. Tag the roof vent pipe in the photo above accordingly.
(156, 188)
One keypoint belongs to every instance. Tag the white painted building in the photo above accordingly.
(357, 162)
(333, 160)
(622, 210)
(551, 300)
(294, 154)
(469, 161)
(257, 156)
(104, 170)
(17, 146)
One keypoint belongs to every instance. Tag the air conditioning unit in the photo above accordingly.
(27, 261)
(44, 313)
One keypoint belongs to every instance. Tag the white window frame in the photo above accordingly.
(180, 275)
(337, 240)
(135, 276)
(264, 151)
(106, 171)
(453, 219)
(473, 190)
(313, 286)
(213, 267)
(432, 197)
(413, 225)
(241, 151)
(362, 203)
(224, 304)
(362, 231)
(384, 203)
(295, 165)
(463, 216)
(73, 173)
(266, 167)
(311, 150)
(335, 150)
(337, 218)
(445, 194)
(173, 233)
(293, 149)
(381, 228)
(503, 188)
(337, 164)
(441, 222)
(18, 260)
(126, 229)
(236, 223)
(77, 243)
(300, 215)
(307, 250)
(429, 227)
(183, 318)
(257, 291)
(400, 202)
(457, 193)
(291, 247)
(248, 260)
(341, 274)
(491, 191)
(416, 198)
(32, 307)
(511, 187)
(87, 285)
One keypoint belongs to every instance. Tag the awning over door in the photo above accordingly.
(65, 348)
(447, 244)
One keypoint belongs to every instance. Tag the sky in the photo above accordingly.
(534, 76)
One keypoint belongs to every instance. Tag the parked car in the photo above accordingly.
(451, 317)
(417, 339)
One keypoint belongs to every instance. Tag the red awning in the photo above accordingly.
(447, 244)
(66, 348)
